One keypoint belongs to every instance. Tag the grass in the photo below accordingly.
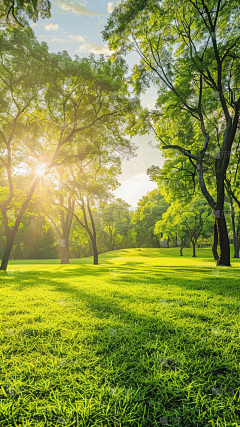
(147, 338)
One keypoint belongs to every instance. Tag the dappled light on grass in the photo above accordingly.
(146, 335)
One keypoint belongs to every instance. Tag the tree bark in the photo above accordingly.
(93, 235)
(181, 249)
(221, 233)
(238, 235)
(6, 256)
(215, 242)
(236, 249)
(235, 240)
(224, 257)
(194, 248)
(10, 234)
(95, 252)
(64, 252)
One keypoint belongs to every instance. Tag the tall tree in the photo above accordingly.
(22, 79)
(150, 210)
(116, 218)
(93, 178)
(187, 221)
(70, 96)
(191, 53)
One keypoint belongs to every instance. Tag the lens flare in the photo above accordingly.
(41, 170)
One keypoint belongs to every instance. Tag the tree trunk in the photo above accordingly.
(215, 242)
(6, 256)
(95, 252)
(93, 235)
(221, 164)
(224, 257)
(181, 249)
(238, 236)
(221, 233)
(235, 240)
(64, 251)
(194, 248)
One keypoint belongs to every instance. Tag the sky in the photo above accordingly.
(76, 27)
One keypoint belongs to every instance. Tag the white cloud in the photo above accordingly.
(94, 48)
(58, 39)
(110, 6)
(77, 38)
(51, 27)
(77, 8)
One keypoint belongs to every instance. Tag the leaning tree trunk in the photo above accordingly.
(10, 234)
(6, 256)
(182, 246)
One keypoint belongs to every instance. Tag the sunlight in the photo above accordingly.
(41, 169)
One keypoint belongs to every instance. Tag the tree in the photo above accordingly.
(191, 53)
(116, 219)
(75, 96)
(22, 78)
(62, 222)
(93, 178)
(17, 12)
(187, 221)
(150, 210)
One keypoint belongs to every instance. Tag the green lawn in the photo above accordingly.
(147, 338)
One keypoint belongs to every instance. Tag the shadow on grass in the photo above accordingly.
(223, 282)
(132, 359)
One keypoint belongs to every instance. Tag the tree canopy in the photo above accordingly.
(190, 51)
(18, 12)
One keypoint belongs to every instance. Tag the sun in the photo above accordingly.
(41, 169)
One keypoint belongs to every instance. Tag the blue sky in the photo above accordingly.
(76, 27)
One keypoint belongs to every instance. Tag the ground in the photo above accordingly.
(147, 338)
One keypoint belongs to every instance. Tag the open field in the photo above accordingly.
(147, 338)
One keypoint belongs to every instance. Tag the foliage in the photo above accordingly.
(18, 12)
(116, 219)
(190, 52)
(187, 221)
(150, 210)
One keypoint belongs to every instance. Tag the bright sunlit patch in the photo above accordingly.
(40, 171)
